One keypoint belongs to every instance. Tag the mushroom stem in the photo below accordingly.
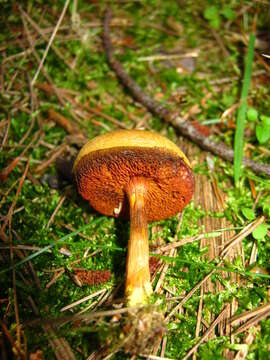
(138, 286)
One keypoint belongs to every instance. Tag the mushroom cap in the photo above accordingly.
(105, 165)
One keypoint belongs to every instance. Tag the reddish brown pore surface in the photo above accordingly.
(103, 175)
(93, 277)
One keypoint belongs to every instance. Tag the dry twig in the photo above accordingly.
(60, 203)
(42, 33)
(50, 42)
(206, 334)
(51, 160)
(235, 320)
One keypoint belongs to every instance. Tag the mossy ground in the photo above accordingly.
(204, 86)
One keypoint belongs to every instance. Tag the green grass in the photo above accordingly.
(241, 115)
(97, 87)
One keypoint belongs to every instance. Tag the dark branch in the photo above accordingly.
(184, 128)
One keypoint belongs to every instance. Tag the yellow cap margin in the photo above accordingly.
(129, 139)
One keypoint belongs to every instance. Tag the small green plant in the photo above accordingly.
(262, 124)
(263, 129)
(260, 232)
(248, 213)
(214, 15)
(211, 14)
(252, 114)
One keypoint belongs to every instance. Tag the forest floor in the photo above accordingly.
(62, 263)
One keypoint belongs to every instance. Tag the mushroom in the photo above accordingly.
(137, 174)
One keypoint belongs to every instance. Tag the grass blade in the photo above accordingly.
(241, 115)
(46, 248)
